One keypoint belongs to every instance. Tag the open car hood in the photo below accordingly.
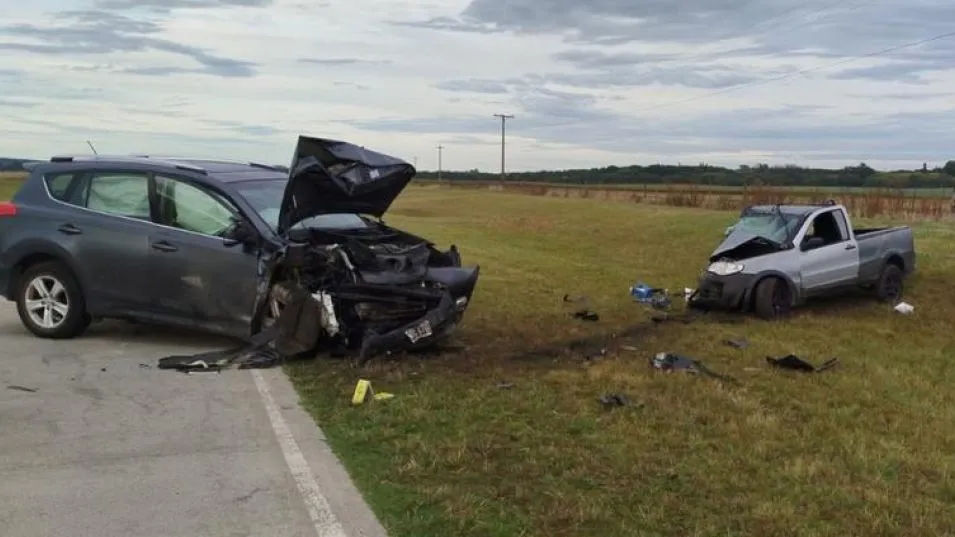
(331, 176)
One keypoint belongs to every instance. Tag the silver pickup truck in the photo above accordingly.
(778, 256)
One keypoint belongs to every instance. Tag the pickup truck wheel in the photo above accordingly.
(772, 299)
(50, 303)
(889, 287)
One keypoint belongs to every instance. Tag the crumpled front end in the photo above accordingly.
(372, 312)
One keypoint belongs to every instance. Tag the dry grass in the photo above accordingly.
(908, 204)
(862, 450)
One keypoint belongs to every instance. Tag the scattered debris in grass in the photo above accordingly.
(612, 400)
(669, 362)
(740, 343)
(795, 363)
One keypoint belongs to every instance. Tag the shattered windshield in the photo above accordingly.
(776, 226)
(266, 198)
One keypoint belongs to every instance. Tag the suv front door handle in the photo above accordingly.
(69, 229)
(850, 247)
(164, 246)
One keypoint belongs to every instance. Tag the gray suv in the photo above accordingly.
(220, 246)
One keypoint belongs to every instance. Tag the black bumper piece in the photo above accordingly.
(425, 331)
(715, 292)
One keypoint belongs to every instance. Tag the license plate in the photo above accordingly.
(415, 333)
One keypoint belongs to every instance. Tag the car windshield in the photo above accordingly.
(776, 226)
(266, 198)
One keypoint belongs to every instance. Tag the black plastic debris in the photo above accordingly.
(612, 400)
(740, 343)
(795, 363)
(669, 362)
(585, 315)
(21, 388)
(294, 334)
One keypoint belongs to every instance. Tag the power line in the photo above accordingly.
(783, 76)
(504, 118)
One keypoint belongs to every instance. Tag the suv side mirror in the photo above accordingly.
(242, 232)
(812, 243)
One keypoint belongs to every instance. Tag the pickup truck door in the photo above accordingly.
(829, 253)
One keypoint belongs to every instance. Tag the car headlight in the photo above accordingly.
(725, 268)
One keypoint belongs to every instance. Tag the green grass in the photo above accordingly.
(865, 449)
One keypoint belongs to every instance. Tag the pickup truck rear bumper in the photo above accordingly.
(722, 292)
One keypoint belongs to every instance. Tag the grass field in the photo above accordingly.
(864, 449)
(912, 204)
(9, 182)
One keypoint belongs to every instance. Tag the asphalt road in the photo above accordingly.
(108, 445)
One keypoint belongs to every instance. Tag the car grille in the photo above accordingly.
(377, 312)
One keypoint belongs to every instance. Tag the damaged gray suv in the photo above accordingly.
(224, 246)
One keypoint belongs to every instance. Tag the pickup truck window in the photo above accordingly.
(826, 227)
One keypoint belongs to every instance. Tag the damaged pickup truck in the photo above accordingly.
(777, 257)
(228, 247)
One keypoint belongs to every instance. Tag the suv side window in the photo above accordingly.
(119, 193)
(186, 206)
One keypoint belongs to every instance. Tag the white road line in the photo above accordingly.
(326, 524)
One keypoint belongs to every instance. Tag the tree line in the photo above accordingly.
(861, 175)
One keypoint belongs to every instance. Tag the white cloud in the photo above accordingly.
(241, 78)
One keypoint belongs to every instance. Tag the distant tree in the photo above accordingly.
(949, 168)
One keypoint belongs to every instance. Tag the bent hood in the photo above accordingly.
(741, 244)
(331, 176)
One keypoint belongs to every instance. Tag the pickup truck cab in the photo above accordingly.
(776, 257)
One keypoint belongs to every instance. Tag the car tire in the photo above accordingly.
(772, 299)
(889, 287)
(50, 302)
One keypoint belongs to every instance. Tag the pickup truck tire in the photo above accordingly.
(50, 302)
(772, 299)
(889, 287)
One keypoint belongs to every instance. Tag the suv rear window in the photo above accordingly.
(59, 185)
(117, 193)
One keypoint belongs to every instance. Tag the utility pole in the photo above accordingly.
(504, 118)
(415, 162)
(440, 147)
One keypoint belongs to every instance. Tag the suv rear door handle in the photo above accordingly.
(164, 246)
(69, 229)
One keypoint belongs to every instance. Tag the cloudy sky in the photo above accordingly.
(591, 82)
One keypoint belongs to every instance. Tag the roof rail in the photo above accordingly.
(267, 166)
(120, 158)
